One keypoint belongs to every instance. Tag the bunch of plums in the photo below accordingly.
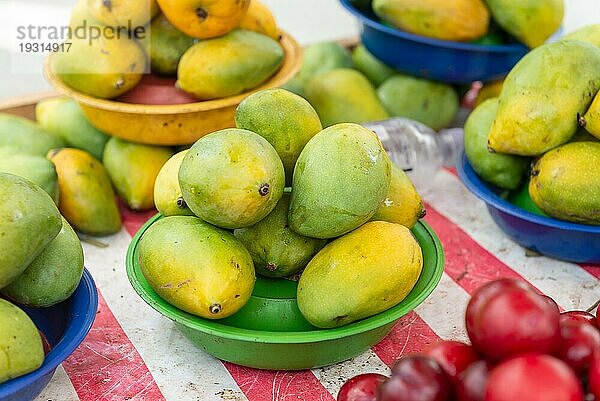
(523, 349)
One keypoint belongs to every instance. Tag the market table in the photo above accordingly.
(133, 353)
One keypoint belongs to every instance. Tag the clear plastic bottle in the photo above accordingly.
(418, 149)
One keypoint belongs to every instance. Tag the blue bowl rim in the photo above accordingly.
(483, 192)
(76, 331)
(472, 47)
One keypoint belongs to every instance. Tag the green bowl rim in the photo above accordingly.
(213, 327)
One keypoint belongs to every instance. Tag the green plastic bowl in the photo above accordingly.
(269, 332)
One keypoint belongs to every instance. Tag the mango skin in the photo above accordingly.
(540, 102)
(504, 171)
(530, 21)
(133, 168)
(196, 267)
(359, 275)
(20, 343)
(373, 68)
(232, 178)
(36, 169)
(590, 34)
(120, 13)
(344, 95)
(591, 119)
(341, 178)
(53, 275)
(261, 113)
(29, 220)
(565, 182)
(103, 68)
(229, 65)
(167, 46)
(431, 103)
(167, 193)
(86, 198)
(458, 20)
(403, 204)
(259, 19)
(25, 136)
(276, 250)
(64, 118)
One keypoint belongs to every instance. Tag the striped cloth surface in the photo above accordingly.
(133, 353)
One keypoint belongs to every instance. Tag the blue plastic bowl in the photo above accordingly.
(557, 239)
(441, 60)
(65, 326)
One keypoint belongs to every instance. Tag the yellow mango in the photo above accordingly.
(167, 193)
(260, 19)
(591, 119)
(123, 13)
(590, 34)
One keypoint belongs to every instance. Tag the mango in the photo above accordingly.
(167, 193)
(403, 204)
(133, 168)
(373, 68)
(196, 267)
(261, 113)
(232, 178)
(276, 250)
(530, 21)
(319, 58)
(64, 118)
(20, 343)
(36, 169)
(488, 91)
(540, 100)
(341, 178)
(53, 275)
(359, 275)
(104, 68)
(204, 19)
(81, 17)
(259, 19)
(167, 46)
(591, 119)
(344, 95)
(431, 103)
(590, 34)
(86, 197)
(229, 65)
(504, 171)
(29, 220)
(126, 14)
(25, 136)
(458, 20)
(565, 182)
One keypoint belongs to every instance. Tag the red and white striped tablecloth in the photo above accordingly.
(133, 353)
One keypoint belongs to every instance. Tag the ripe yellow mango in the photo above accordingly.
(591, 119)
(590, 34)
(167, 193)
(123, 13)
(259, 19)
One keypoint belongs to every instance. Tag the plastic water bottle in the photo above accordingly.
(418, 149)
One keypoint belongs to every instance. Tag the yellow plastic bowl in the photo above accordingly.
(178, 124)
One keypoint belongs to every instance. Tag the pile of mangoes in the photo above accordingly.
(41, 264)
(547, 116)
(216, 48)
(279, 195)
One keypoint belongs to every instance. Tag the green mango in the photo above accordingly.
(344, 95)
(319, 58)
(565, 182)
(373, 68)
(276, 250)
(29, 220)
(167, 193)
(232, 178)
(522, 199)
(359, 275)
(589, 34)
(167, 46)
(21, 346)
(196, 267)
(432, 103)
(260, 113)
(504, 171)
(133, 168)
(53, 275)
(229, 65)
(341, 178)
(540, 101)
(36, 169)
(25, 136)
(64, 118)
(530, 21)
